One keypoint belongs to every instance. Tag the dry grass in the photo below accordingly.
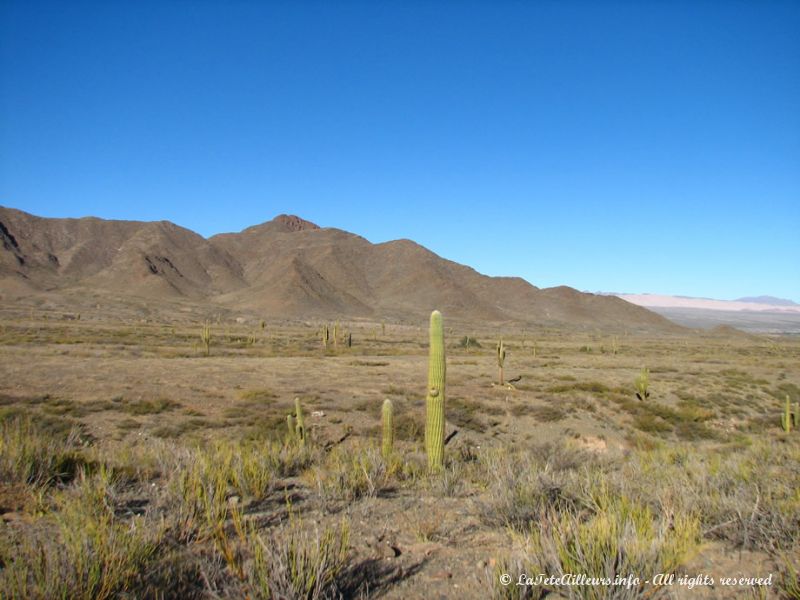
(151, 469)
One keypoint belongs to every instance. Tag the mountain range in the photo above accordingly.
(750, 304)
(285, 268)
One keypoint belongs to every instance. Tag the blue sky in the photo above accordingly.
(617, 146)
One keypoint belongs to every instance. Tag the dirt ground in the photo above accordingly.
(142, 382)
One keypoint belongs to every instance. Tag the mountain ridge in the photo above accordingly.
(287, 267)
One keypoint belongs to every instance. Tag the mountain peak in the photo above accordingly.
(294, 223)
(285, 268)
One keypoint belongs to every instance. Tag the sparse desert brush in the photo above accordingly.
(448, 482)
(350, 473)
(789, 575)
(468, 342)
(197, 494)
(523, 486)
(747, 498)
(33, 456)
(82, 550)
(621, 538)
(581, 521)
(298, 563)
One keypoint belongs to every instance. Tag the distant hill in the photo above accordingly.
(288, 268)
(745, 313)
(663, 301)
(769, 300)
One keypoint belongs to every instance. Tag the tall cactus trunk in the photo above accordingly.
(387, 414)
(501, 358)
(300, 423)
(434, 422)
(786, 417)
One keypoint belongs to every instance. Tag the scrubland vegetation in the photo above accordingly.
(116, 485)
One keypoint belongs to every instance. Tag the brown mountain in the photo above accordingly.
(287, 267)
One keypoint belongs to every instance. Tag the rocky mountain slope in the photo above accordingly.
(287, 267)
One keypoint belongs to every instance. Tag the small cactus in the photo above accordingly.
(434, 422)
(501, 358)
(300, 427)
(349, 340)
(325, 336)
(786, 417)
(642, 383)
(205, 337)
(336, 334)
(387, 418)
(292, 425)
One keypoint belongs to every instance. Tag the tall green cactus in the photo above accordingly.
(501, 358)
(786, 417)
(434, 403)
(205, 337)
(387, 417)
(301, 424)
(642, 382)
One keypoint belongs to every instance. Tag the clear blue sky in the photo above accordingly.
(617, 146)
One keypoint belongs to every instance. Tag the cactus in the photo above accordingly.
(290, 422)
(387, 417)
(786, 417)
(300, 428)
(336, 334)
(325, 336)
(642, 382)
(796, 415)
(383, 328)
(501, 358)
(534, 348)
(614, 346)
(434, 403)
(205, 337)
(262, 324)
(349, 340)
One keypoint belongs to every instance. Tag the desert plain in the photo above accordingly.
(135, 465)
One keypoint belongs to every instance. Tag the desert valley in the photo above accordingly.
(183, 417)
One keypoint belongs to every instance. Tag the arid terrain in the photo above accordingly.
(151, 443)
(133, 465)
